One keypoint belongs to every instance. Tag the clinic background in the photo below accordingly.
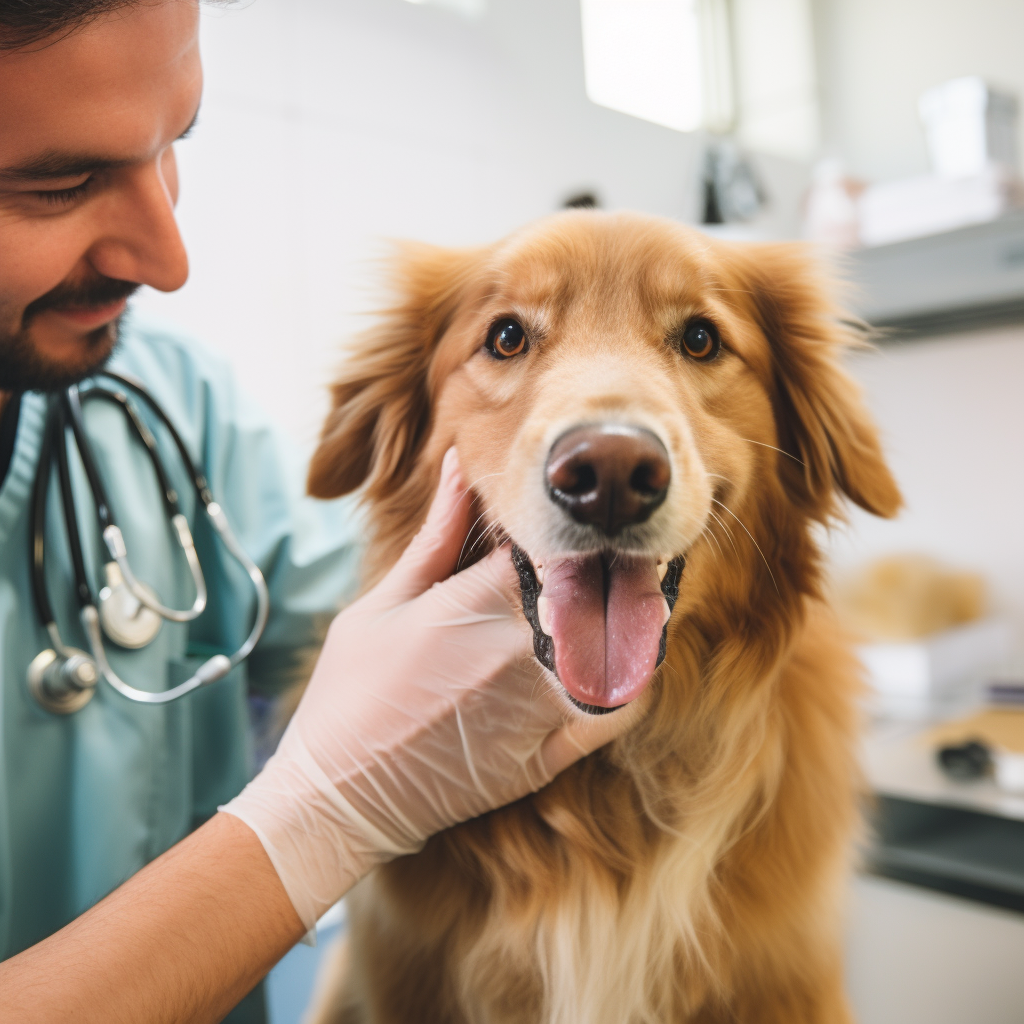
(330, 126)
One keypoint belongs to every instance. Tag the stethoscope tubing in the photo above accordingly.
(111, 532)
(64, 413)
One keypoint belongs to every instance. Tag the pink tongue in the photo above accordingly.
(605, 617)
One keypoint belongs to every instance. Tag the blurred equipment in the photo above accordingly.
(925, 639)
(970, 127)
(830, 212)
(906, 597)
(917, 207)
(972, 140)
(958, 281)
(731, 189)
(990, 742)
(1006, 692)
(965, 761)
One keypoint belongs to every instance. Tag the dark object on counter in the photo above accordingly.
(965, 761)
(582, 201)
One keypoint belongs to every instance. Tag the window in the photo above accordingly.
(727, 66)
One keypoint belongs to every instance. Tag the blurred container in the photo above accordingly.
(927, 639)
(971, 131)
(910, 679)
(969, 126)
(830, 210)
(915, 207)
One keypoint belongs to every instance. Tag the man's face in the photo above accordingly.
(88, 184)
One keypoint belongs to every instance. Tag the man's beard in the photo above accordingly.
(24, 368)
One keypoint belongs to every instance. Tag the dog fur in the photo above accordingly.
(693, 870)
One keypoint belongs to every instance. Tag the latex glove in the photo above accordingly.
(426, 708)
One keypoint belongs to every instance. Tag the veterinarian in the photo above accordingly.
(423, 709)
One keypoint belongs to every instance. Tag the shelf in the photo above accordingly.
(899, 762)
(957, 281)
(951, 850)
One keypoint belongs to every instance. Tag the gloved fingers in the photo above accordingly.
(433, 554)
(583, 734)
(487, 588)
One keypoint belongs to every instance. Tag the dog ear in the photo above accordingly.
(380, 404)
(821, 416)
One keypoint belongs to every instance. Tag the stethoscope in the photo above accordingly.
(63, 679)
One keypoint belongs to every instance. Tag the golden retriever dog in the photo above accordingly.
(660, 424)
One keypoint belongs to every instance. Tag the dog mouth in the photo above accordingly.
(600, 621)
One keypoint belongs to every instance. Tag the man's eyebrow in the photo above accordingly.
(54, 165)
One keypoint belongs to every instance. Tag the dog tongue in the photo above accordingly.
(605, 616)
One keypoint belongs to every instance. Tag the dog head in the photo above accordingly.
(627, 397)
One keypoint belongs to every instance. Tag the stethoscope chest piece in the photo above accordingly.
(62, 685)
(125, 619)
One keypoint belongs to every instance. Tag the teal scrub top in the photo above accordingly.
(87, 799)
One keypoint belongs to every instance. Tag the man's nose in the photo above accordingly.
(608, 475)
(141, 241)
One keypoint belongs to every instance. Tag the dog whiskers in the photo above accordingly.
(774, 449)
(493, 529)
(729, 534)
(754, 542)
(486, 476)
(710, 535)
(472, 488)
(462, 553)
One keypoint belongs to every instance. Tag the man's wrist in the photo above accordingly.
(308, 831)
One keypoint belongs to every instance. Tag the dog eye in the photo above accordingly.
(701, 341)
(506, 339)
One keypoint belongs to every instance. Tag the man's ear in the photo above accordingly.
(380, 411)
(821, 416)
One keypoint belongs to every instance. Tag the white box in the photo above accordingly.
(894, 211)
(969, 125)
(908, 677)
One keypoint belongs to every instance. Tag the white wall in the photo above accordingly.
(329, 126)
(877, 56)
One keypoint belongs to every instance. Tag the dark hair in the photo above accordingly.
(26, 22)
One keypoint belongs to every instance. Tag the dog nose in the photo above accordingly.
(608, 475)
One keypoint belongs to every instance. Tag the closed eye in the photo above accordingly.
(64, 196)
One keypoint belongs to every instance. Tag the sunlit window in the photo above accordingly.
(773, 51)
(744, 67)
(467, 8)
(642, 57)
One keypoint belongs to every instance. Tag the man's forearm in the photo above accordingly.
(183, 940)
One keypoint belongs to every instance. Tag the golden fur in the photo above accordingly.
(692, 870)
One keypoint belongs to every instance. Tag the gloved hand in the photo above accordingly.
(426, 708)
